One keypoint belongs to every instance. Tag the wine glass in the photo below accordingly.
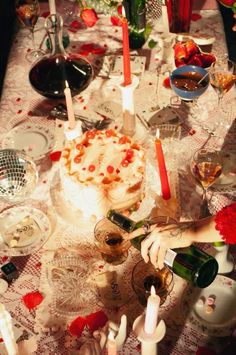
(222, 77)
(27, 12)
(144, 276)
(206, 167)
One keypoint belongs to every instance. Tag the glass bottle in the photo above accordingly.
(124, 222)
(191, 263)
(135, 11)
(48, 76)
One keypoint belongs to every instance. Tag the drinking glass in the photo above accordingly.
(27, 12)
(110, 241)
(206, 167)
(222, 77)
(145, 275)
(179, 15)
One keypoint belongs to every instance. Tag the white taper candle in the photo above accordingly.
(152, 310)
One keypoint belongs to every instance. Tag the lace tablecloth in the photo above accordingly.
(20, 103)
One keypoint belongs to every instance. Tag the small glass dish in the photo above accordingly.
(145, 275)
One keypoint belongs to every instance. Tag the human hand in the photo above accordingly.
(156, 244)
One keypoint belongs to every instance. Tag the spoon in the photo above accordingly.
(204, 77)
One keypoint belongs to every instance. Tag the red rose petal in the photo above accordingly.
(55, 156)
(45, 14)
(32, 299)
(166, 82)
(116, 21)
(96, 320)
(196, 17)
(76, 327)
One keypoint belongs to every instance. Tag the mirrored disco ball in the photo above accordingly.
(18, 175)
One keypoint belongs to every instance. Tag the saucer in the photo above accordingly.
(36, 140)
(221, 320)
(23, 230)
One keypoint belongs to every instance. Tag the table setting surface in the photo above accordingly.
(67, 244)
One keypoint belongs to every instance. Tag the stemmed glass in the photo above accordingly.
(27, 12)
(206, 167)
(222, 78)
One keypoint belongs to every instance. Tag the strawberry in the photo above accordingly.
(195, 60)
(180, 51)
(207, 59)
(179, 62)
(191, 48)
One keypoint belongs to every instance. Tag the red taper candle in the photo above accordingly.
(165, 187)
(126, 53)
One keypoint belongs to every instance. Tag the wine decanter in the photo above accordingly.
(49, 75)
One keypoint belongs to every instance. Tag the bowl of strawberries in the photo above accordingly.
(188, 53)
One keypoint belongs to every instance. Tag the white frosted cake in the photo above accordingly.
(102, 170)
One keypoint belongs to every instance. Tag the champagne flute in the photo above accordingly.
(206, 167)
(27, 12)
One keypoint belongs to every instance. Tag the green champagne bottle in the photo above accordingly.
(124, 222)
(135, 11)
(191, 263)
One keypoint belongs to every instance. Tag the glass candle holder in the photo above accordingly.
(110, 241)
(145, 275)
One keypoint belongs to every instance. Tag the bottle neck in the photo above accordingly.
(54, 28)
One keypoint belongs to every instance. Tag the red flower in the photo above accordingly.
(225, 221)
(115, 20)
(96, 320)
(32, 299)
(89, 17)
(196, 17)
(76, 327)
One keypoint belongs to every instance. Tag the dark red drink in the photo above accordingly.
(179, 15)
(49, 75)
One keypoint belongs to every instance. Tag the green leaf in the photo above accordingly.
(152, 43)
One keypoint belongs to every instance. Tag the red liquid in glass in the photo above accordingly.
(179, 15)
(48, 76)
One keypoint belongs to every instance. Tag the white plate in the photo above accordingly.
(222, 320)
(36, 140)
(26, 246)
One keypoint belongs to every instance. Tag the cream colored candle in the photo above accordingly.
(52, 7)
(152, 310)
(69, 106)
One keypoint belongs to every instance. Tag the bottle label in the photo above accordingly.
(170, 257)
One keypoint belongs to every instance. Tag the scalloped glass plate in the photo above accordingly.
(31, 242)
(222, 320)
(36, 140)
